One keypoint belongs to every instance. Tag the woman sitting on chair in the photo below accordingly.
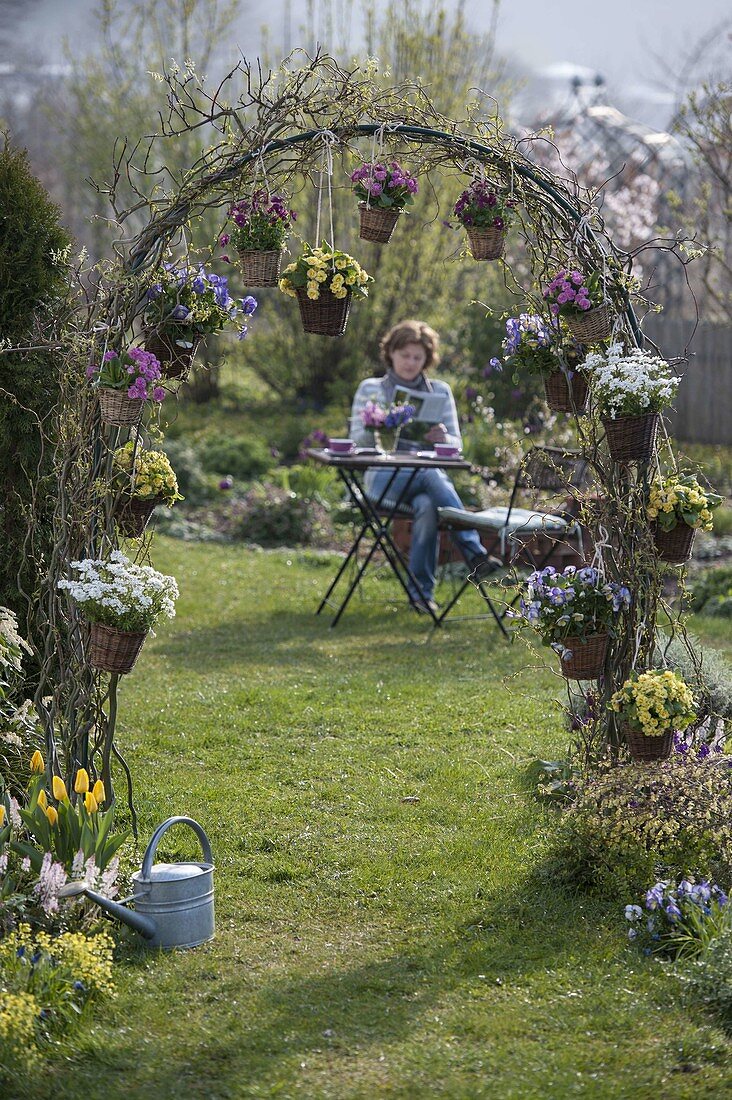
(408, 350)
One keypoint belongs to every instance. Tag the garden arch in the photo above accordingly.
(558, 222)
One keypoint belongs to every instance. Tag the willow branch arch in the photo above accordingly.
(78, 708)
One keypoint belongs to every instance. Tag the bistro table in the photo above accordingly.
(376, 516)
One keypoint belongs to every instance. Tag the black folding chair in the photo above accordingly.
(514, 527)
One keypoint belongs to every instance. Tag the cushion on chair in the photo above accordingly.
(494, 519)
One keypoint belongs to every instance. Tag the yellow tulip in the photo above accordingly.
(42, 800)
(36, 764)
(90, 803)
(81, 783)
(98, 792)
(2, 815)
(52, 814)
(59, 789)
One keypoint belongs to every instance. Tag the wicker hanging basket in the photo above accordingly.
(260, 268)
(566, 394)
(132, 515)
(113, 650)
(377, 224)
(326, 315)
(118, 409)
(675, 546)
(588, 657)
(592, 326)
(175, 361)
(631, 438)
(486, 243)
(646, 749)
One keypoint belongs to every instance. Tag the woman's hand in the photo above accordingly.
(436, 434)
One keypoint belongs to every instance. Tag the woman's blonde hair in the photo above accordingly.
(411, 332)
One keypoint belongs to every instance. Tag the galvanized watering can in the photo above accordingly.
(174, 903)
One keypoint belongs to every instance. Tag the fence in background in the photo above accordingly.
(704, 401)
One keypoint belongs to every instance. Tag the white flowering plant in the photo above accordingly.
(19, 728)
(118, 593)
(629, 383)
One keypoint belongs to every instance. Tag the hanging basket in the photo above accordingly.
(631, 438)
(377, 224)
(113, 650)
(646, 749)
(588, 657)
(592, 326)
(566, 394)
(326, 315)
(675, 546)
(260, 268)
(132, 515)
(486, 243)
(118, 409)
(175, 361)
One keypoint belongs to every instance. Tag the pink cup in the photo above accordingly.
(340, 446)
(446, 450)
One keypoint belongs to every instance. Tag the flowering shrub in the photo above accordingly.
(274, 516)
(262, 223)
(630, 384)
(575, 602)
(45, 984)
(482, 207)
(675, 499)
(134, 370)
(655, 701)
(145, 474)
(118, 593)
(324, 269)
(683, 919)
(570, 294)
(19, 729)
(387, 188)
(185, 303)
(634, 824)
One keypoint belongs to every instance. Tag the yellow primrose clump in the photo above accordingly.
(675, 500)
(654, 702)
(152, 476)
(324, 269)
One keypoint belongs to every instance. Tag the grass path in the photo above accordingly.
(384, 924)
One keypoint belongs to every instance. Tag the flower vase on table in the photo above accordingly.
(387, 442)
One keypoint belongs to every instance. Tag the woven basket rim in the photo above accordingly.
(116, 630)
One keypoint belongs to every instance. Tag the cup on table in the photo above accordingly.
(340, 446)
(446, 450)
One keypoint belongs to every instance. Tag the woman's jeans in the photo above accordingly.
(429, 490)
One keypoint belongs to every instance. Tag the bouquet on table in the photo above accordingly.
(387, 423)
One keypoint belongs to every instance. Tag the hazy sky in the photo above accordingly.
(614, 38)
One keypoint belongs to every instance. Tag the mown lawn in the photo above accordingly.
(385, 922)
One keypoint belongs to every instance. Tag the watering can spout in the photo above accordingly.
(144, 925)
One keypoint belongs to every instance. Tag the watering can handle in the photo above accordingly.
(156, 837)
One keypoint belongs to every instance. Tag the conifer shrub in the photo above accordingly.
(33, 286)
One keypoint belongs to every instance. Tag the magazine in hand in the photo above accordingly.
(428, 407)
